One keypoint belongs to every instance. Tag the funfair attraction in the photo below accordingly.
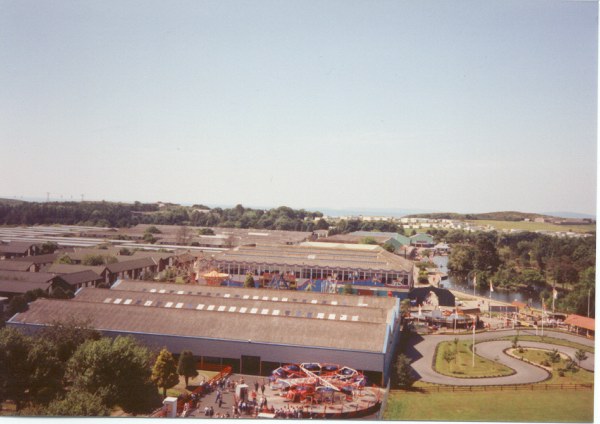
(329, 390)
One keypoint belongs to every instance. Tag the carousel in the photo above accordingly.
(326, 390)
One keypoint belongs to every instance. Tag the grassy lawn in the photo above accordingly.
(534, 406)
(552, 340)
(534, 226)
(577, 376)
(462, 364)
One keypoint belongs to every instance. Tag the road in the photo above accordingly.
(422, 348)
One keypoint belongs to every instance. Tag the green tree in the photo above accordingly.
(68, 335)
(15, 305)
(389, 247)
(187, 365)
(152, 230)
(553, 356)
(368, 240)
(64, 259)
(95, 260)
(580, 355)
(78, 404)
(48, 247)
(164, 372)
(14, 368)
(404, 374)
(532, 278)
(46, 371)
(117, 371)
(249, 282)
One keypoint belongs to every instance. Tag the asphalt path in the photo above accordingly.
(422, 348)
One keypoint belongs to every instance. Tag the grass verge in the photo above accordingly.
(456, 360)
(535, 406)
(550, 340)
(574, 376)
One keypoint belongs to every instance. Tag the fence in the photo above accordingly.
(503, 388)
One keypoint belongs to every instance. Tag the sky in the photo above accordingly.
(462, 106)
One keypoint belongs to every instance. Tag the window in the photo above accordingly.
(168, 304)
(243, 310)
(354, 317)
(148, 303)
(264, 312)
(287, 313)
(180, 292)
(227, 295)
(162, 291)
(152, 290)
(343, 317)
(284, 299)
(314, 301)
(232, 308)
(253, 310)
(200, 306)
(210, 308)
(309, 315)
(331, 316)
(179, 305)
(128, 301)
(320, 315)
(117, 301)
(276, 312)
(334, 302)
(298, 314)
(275, 299)
(107, 300)
(246, 297)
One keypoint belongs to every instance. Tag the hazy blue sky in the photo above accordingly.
(445, 105)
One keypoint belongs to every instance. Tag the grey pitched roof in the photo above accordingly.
(132, 264)
(10, 265)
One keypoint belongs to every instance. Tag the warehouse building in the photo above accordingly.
(253, 330)
(315, 262)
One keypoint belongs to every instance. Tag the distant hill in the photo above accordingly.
(5, 201)
(571, 215)
(494, 216)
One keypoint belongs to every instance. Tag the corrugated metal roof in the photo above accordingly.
(255, 328)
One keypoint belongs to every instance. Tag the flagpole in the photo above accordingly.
(553, 297)
(543, 308)
(473, 347)
(490, 304)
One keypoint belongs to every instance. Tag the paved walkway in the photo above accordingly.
(422, 349)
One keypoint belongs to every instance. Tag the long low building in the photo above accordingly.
(345, 263)
(252, 330)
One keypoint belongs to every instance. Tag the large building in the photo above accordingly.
(252, 330)
(314, 262)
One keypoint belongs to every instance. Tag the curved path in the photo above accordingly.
(422, 349)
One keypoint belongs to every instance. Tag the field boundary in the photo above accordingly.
(499, 388)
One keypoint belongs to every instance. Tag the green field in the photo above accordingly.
(534, 406)
(533, 226)
(578, 376)
(462, 365)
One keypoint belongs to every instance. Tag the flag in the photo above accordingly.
(554, 294)
(491, 286)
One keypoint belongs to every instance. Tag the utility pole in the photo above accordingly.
(589, 292)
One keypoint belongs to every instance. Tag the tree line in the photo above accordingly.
(69, 369)
(113, 214)
(534, 261)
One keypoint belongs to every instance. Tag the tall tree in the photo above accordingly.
(187, 365)
(117, 371)
(164, 372)
(14, 368)
(404, 374)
